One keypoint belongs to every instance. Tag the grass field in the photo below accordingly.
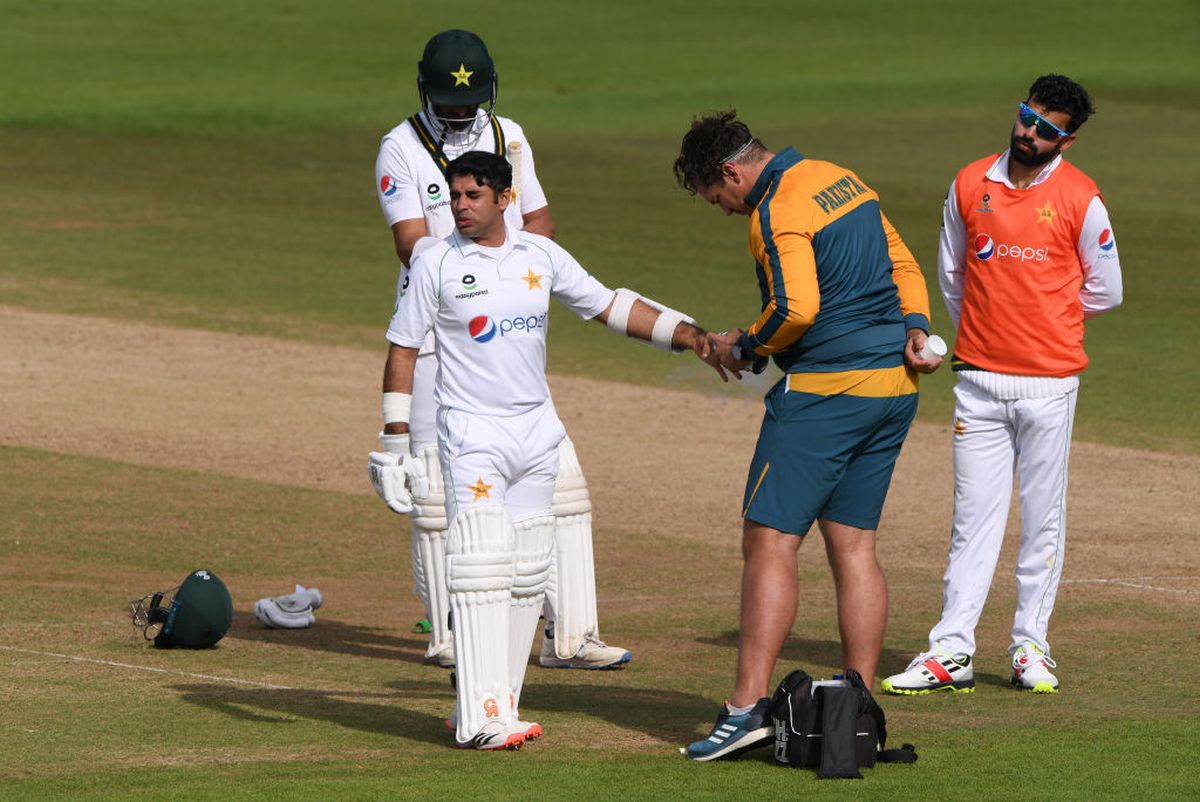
(207, 167)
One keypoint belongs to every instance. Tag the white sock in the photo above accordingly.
(739, 711)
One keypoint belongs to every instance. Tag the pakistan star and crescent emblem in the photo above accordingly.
(1046, 214)
(480, 489)
(463, 76)
(533, 279)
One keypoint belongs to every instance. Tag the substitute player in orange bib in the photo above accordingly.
(1027, 254)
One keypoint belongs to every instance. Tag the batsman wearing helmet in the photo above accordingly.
(457, 85)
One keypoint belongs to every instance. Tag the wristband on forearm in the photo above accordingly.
(396, 407)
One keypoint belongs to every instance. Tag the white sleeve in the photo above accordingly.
(952, 255)
(533, 197)
(576, 288)
(1097, 247)
(399, 197)
(416, 301)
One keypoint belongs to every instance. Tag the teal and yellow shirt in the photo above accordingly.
(839, 287)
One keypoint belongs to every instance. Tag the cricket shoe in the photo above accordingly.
(1031, 670)
(933, 671)
(593, 653)
(732, 735)
(493, 735)
(444, 658)
(530, 729)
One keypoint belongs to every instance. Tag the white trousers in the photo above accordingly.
(511, 461)
(992, 437)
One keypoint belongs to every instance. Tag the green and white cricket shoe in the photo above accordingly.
(933, 671)
(1031, 670)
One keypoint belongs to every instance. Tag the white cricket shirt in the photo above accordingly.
(488, 308)
(410, 185)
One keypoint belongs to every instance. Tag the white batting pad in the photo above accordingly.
(480, 553)
(428, 519)
(535, 544)
(572, 588)
(429, 509)
(429, 552)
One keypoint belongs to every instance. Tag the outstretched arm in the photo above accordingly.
(631, 315)
(642, 319)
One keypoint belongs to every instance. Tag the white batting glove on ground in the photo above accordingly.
(396, 474)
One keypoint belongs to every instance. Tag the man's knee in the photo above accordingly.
(848, 544)
(759, 540)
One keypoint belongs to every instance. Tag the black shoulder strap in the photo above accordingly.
(787, 687)
(905, 754)
(498, 136)
(869, 705)
(431, 144)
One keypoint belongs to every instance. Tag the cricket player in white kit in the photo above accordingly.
(455, 77)
(1027, 254)
(485, 291)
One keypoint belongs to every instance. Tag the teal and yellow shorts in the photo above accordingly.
(827, 448)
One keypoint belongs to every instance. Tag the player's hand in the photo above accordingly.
(912, 353)
(721, 357)
(389, 479)
(398, 476)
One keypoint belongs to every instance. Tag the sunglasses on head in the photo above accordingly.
(1045, 129)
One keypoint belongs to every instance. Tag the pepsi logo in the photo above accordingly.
(387, 186)
(481, 328)
(1106, 240)
(984, 247)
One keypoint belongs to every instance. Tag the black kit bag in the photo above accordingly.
(835, 726)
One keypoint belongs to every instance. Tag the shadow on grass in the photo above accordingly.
(665, 714)
(998, 680)
(334, 636)
(808, 652)
(379, 713)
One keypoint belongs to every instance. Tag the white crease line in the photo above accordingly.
(149, 668)
(1129, 583)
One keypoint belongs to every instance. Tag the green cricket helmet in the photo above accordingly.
(194, 615)
(456, 70)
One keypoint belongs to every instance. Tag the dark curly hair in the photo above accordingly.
(712, 141)
(488, 169)
(1060, 93)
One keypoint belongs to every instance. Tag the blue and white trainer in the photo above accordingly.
(732, 735)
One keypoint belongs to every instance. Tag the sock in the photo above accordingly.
(738, 711)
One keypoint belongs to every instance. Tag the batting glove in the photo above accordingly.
(396, 475)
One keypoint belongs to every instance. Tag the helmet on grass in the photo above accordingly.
(194, 615)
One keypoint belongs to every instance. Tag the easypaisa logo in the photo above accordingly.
(433, 191)
(472, 290)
